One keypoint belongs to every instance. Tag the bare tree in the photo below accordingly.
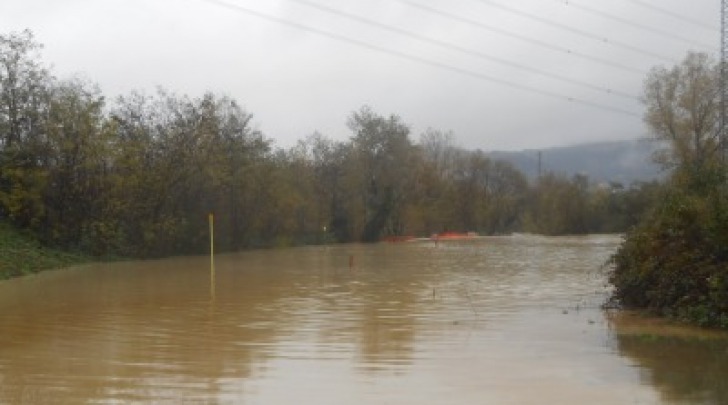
(683, 105)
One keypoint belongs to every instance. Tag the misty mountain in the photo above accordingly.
(618, 161)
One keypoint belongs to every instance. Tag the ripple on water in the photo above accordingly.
(460, 322)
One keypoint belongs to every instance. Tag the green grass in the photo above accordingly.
(20, 254)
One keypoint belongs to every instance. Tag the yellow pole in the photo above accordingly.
(211, 220)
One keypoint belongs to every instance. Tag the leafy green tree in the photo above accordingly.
(75, 160)
(319, 171)
(134, 193)
(381, 154)
(559, 205)
(430, 208)
(138, 176)
(23, 89)
(474, 192)
(179, 159)
(508, 191)
(614, 208)
(335, 174)
(24, 93)
(471, 198)
(234, 157)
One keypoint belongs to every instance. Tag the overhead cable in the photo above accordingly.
(421, 60)
(458, 48)
(673, 14)
(602, 14)
(580, 32)
(534, 41)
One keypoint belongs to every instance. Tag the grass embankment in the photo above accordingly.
(21, 254)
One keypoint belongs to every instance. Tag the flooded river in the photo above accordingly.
(507, 320)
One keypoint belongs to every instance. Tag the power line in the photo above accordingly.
(579, 32)
(418, 59)
(520, 37)
(673, 14)
(455, 47)
(625, 21)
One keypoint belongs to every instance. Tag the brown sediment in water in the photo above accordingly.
(511, 320)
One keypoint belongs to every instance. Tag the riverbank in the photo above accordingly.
(21, 254)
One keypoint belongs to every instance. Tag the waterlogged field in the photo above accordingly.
(506, 320)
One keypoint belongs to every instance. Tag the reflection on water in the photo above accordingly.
(687, 365)
(512, 320)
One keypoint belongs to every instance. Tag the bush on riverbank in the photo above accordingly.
(675, 263)
(21, 254)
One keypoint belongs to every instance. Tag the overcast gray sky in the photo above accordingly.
(497, 73)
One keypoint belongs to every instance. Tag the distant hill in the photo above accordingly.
(619, 161)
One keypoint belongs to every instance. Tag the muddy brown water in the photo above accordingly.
(504, 320)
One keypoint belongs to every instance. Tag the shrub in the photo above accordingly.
(675, 262)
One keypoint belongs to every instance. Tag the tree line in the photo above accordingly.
(137, 176)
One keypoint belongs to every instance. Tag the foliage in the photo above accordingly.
(675, 262)
(560, 205)
(21, 254)
(137, 176)
(381, 154)
(683, 109)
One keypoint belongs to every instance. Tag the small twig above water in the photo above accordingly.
(470, 301)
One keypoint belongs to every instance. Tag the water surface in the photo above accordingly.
(507, 320)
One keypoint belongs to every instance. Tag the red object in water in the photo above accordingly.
(453, 235)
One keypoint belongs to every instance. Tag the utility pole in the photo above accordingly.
(723, 141)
